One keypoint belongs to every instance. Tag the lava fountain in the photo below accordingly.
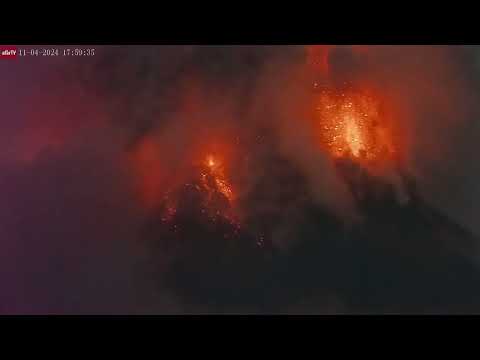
(351, 125)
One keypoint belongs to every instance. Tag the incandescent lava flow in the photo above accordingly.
(214, 179)
(351, 125)
(354, 128)
(200, 246)
(207, 196)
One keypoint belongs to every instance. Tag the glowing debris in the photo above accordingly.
(349, 124)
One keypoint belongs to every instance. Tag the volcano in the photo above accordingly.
(401, 256)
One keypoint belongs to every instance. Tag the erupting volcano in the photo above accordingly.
(241, 179)
(295, 246)
(351, 124)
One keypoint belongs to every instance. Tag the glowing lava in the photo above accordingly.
(353, 136)
(210, 161)
(351, 125)
(206, 199)
(213, 178)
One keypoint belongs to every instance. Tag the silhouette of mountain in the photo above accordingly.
(399, 258)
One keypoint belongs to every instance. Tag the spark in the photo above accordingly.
(349, 124)
(215, 171)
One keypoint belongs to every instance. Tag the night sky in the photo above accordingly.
(193, 179)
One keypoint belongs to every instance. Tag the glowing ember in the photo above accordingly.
(213, 178)
(210, 161)
(208, 195)
(353, 135)
(351, 125)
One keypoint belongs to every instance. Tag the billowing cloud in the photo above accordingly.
(92, 148)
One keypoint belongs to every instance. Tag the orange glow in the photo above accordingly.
(351, 125)
(216, 171)
(210, 161)
(353, 136)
